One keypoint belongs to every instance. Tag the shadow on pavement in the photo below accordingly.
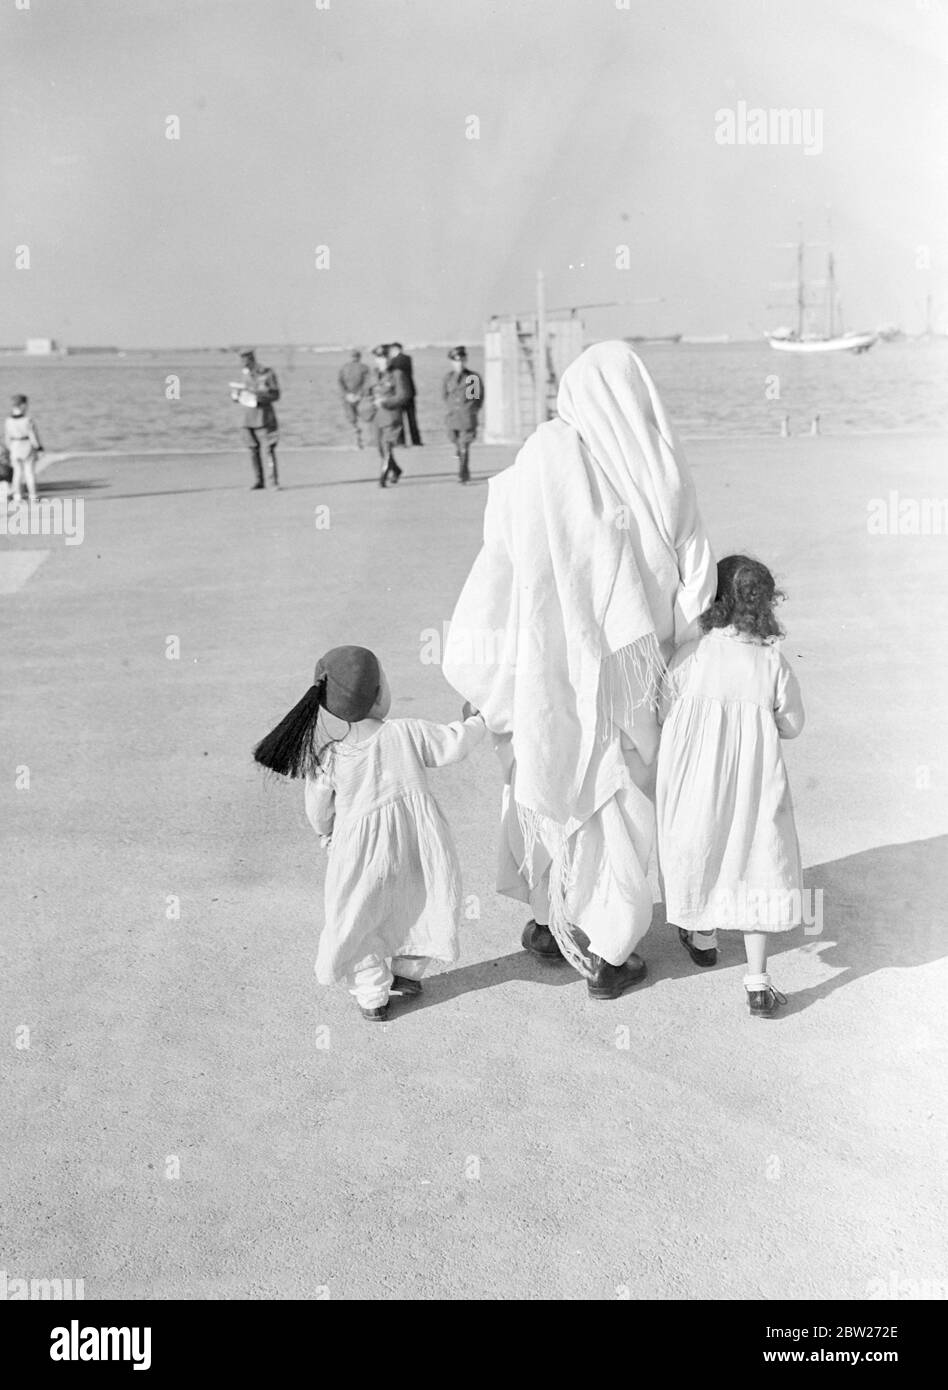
(70, 484)
(487, 974)
(883, 909)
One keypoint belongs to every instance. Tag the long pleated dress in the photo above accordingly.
(393, 883)
(727, 840)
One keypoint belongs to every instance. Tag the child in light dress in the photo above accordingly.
(727, 841)
(24, 447)
(393, 883)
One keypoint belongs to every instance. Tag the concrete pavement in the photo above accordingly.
(193, 1118)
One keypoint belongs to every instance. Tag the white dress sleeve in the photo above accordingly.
(319, 799)
(440, 744)
(698, 583)
(788, 702)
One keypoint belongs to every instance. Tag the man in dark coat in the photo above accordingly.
(390, 393)
(257, 392)
(399, 361)
(463, 394)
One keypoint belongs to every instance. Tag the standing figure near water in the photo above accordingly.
(24, 447)
(463, 393)
(399, 361)
(393, 884)
(390, 394)
(595, 566)
(353, 378)
(727, 842)
(257, 392)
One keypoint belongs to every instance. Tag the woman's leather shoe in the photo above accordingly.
(540, 942)
(609, 981)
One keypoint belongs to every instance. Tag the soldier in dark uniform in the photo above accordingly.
(463, 393)
(260, 421)
(390, 392)
(400, 362)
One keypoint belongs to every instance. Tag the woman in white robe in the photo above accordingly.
(594, 568)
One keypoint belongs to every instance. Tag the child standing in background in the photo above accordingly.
(24, 447)
(727, 841)
(393, 883)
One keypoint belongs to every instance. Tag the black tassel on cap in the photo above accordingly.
(289, 748)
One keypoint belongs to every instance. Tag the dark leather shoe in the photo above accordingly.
(379, 1015)
(764, 1003)
(409, 988)
(540, 942)
(609, 981)
(704, 958)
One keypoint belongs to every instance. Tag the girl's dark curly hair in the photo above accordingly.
(745, 599)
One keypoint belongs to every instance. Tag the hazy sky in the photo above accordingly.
(305, 126)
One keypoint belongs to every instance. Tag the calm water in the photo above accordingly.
(120, 403)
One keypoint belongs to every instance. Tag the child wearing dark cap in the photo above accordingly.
(393, 883)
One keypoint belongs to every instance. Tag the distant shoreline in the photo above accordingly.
(652, 345)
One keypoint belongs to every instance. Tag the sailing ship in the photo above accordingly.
(833, 338)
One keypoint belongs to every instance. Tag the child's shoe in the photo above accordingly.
(409, 988)
(379, 1015)
(764, 1003)
(700, 957)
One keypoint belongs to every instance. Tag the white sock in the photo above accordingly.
(755, 982)
(704, 940)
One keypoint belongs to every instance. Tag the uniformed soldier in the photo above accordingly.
(463, 393)
(390, 393)
(353, 379)
(260, 421)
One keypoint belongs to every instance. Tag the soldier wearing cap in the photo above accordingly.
(260, 421)
(463, 394)
(390, 395)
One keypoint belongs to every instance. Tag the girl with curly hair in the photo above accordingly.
(727, 841)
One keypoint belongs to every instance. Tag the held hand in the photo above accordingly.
(325, 841)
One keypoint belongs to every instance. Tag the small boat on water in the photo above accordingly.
(845, 342)
(832, 338)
